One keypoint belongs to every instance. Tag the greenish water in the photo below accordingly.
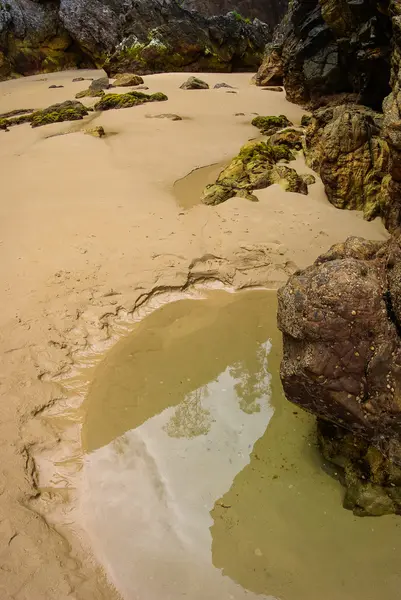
(202, 481)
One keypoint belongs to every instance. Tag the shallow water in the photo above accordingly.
(188, 190)
(201, 481)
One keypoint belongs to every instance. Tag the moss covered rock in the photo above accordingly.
(90, 93)
(271, 124)
(193, 83)
(344, 146)
(127, 79)
(97, 131)
(289, 179)
(66, 111)
(292, 138)
(127, 100)
(372, 481)
(252, 169)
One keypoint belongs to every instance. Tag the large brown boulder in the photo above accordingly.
(341, 325)
(344, 145)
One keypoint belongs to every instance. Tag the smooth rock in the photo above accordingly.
(193, 83)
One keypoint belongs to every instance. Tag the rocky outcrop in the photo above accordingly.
(33, 39)
(344, 145)
(392, 126)
(268, 12)
(141, 36)
(334, 46)
(341, 324)
(256, 167)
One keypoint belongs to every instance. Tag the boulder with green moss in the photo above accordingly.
(127, 100)
(289, 179)
(292, 138)
(66, 111)
(271, 124)
(194, 83)
(89, 94)
(127, 79)
(254, 168)
(344, 145)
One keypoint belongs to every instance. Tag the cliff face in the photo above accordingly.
(145, 35)
(335, 46)
(265, 10)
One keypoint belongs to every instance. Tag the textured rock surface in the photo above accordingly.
(341, 324)
(269, 12)
(193, 83)
(56, 113)
(131, 36)
(333, 46)
(127, 79)
(344, 145)
(392, 127)
(253, 169)
(270, 124)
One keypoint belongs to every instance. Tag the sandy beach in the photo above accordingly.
(92, 229)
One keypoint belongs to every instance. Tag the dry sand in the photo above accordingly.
(89, 229)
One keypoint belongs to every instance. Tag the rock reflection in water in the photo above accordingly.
(149, 491)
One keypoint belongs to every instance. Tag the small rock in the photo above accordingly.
(231, 92)
(239, 115)
(273, 88)
(54, 87)
(222, 85)
(95, 131)
(193, 83)
(126, 80)
(170, 116)
(78, 79)
(308, 178)
(142, 87)
(100, 84)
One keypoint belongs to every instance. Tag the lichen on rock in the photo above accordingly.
(127, 100)
(293, 138)
(254, 168)
(89, 93)
(270, 124)
(56, 113)
(344, 146)
(194, 83)
(127, 79)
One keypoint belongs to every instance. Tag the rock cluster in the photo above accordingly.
(259, 165)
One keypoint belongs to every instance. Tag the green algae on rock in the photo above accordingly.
(194, 83)
(90, 93)
(69, 110)
(344, 146)
(97, 131)
(372, 481)
(127, 79)
(289, 179)
(271, 124)
(293, 138)
(251, 170)
(127, 100)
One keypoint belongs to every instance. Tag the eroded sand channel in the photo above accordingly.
(201, 481)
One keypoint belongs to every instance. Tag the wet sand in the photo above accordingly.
(192, 448)
(89, 230)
